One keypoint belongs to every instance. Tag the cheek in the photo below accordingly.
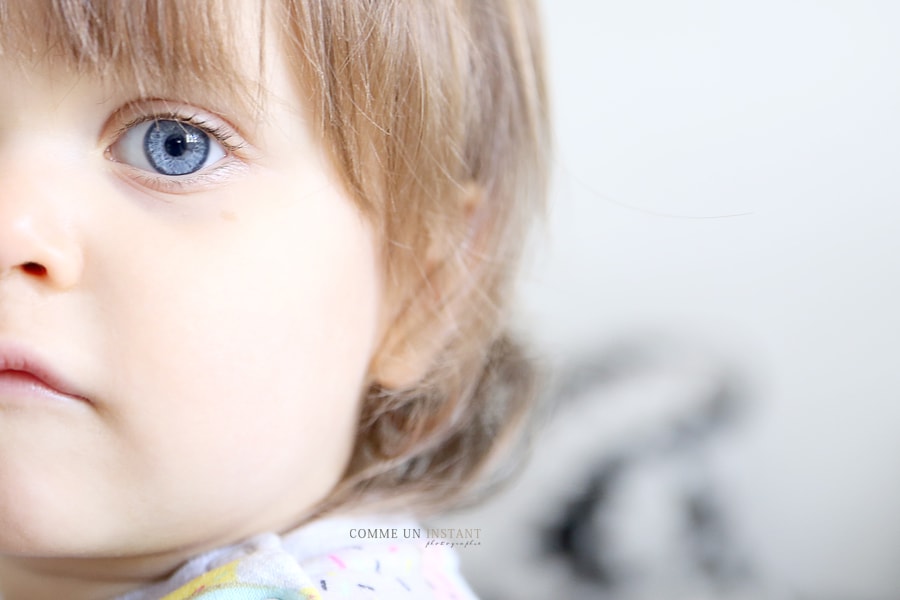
(242, 359)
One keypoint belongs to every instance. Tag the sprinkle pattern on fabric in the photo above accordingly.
(317, 562)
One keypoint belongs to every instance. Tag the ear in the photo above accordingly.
(420, 324)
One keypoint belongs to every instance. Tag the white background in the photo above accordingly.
(728, 172)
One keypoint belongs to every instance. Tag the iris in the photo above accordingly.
(175, 148)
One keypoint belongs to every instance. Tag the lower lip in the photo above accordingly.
(20, 388)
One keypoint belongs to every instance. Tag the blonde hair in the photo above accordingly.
(424, 104)
(434, 115)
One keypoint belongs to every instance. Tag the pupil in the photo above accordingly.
(175, 145)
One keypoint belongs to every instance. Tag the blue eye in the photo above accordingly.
(175, 148)
(167, 147)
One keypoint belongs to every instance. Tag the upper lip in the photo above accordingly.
(16, 358)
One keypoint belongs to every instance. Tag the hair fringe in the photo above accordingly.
(152, 46)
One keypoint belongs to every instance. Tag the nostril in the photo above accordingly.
(33, 268)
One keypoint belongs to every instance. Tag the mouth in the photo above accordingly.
(24, 378)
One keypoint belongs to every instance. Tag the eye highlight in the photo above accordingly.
(167, 147)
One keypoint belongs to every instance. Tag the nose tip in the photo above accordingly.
(39, 249)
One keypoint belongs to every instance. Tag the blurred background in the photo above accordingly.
(716, 294)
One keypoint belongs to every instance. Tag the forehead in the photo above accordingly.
(152, 46)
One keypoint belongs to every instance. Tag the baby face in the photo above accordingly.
(189, 304)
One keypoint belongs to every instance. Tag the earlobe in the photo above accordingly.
(422, 328)
(430, 316)
(404, 360)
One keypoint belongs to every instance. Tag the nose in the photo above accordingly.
(36, 241)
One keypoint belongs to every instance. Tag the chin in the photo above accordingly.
(41, 520)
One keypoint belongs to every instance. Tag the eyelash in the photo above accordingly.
(219, 132)
(220, 172)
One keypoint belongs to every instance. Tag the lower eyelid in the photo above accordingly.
(225, 171)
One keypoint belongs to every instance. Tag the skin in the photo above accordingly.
(222, 332)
